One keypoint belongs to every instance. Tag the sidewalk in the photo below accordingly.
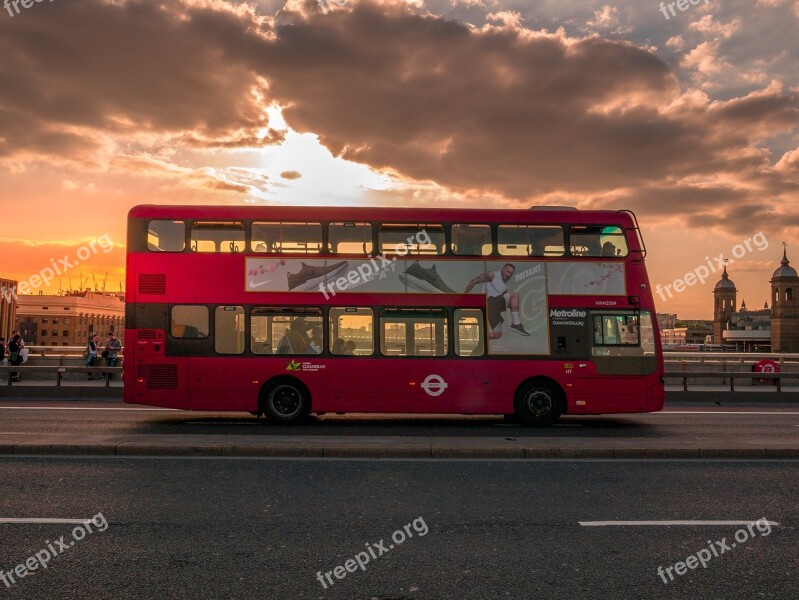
(392, 446)
(46, 389)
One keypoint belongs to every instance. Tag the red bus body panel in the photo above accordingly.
(473, 385)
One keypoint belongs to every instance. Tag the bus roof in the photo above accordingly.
(368, 213)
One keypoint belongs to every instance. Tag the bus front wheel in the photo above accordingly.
(286, 402)
(538, 403)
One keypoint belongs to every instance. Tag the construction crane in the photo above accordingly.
(105, 280)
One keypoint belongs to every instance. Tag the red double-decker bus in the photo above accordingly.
(287, 311)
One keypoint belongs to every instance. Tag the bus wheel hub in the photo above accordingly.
(539, 402)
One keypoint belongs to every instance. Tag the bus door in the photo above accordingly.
(420, 374)
(357, 385)
(622, 355)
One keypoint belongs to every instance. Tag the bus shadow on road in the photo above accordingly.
(411, 426)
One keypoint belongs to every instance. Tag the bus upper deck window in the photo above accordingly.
(280, 238)
(598, 241)
(412, 239)
(166, 236)
(530, 240)
(349, 238)
(471, 240)
(217, 236)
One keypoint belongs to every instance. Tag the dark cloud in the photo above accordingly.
(72, 71)
(502, 111)
(291, 175)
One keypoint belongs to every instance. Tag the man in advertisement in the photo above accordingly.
(495, 286)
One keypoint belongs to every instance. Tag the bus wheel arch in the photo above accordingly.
(539, 401)
(285, 400)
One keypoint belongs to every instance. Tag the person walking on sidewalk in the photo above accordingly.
(2, 352)
(15, 354)
(91, 356)
(112, 348)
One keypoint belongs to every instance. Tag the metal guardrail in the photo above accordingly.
(60, 350)
(732, 376)
(60, 371)
(727, 357)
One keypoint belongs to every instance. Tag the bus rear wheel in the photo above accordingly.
(286, 402)
(538, 403)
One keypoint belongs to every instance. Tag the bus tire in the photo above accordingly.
(538, 403)
(285, 401)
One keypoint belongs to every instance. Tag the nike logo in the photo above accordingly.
(257, 285)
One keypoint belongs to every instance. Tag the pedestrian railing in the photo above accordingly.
(60, 371)
(70, 351)
(732, 376)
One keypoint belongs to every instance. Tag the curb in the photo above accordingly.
(371, 451)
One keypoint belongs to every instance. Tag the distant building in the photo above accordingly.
(8, 307)
(667, 321)
(694, 333)
(784, 313)
(70, 319)
(773, 329)
(724, 305)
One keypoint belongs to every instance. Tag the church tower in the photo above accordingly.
(784, 313)
(724, 299)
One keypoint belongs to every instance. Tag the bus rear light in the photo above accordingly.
(140, 380)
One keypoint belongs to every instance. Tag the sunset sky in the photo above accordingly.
(690, 121)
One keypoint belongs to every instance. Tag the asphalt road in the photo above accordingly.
(263, 528)
(694, 423)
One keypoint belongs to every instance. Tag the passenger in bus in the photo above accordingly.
(295, 340)
(338, 346)
(349, 348)
(180, 330)
(316, 340)
(608, 249)
(630, 333)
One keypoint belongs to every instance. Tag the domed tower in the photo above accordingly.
(724, 299)
(784, 313)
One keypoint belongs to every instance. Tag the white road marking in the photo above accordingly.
(46, 521)
(666, 523)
